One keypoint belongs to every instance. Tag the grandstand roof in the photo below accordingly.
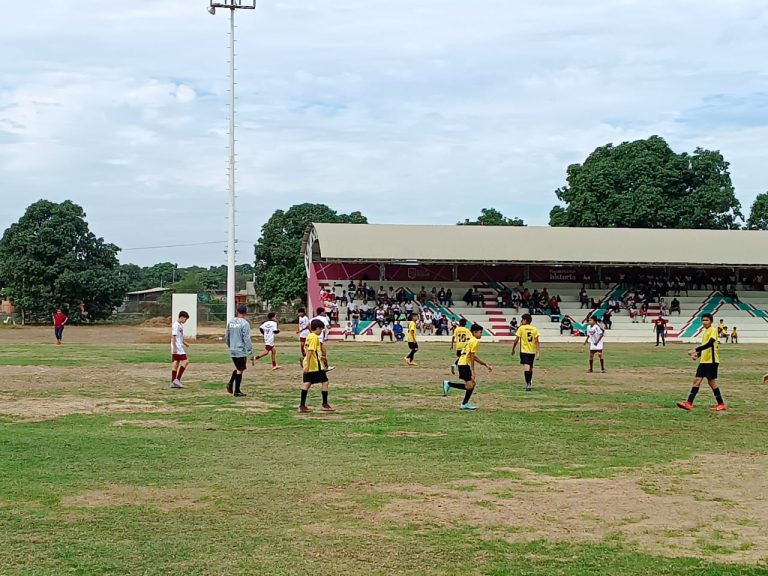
(531, 244)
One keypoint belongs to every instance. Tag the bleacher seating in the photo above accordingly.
(750, 316)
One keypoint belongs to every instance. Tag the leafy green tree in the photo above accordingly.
(49, 258)
(279, 269)
(492, 217)
(758, 215)
(645, 184)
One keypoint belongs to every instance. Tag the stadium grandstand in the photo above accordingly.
(625, 277)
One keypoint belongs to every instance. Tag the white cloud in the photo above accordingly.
(410, 113)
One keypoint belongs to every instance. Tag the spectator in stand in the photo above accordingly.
(436, 319)
(443, 328)
(500, 299)
(566, 325)
(441, 297)
(422, 296)
(408, 308)
(351, 288)
(513, 325)
(381, 315)
(515, 299)
(663, 308)
(674, 306)
(355, 319)
(554, 306)
(396, 312)
(371, 294)
(433, 294)
(583, 299)
(365, 310)
(427, 325)
(349, 331)
(608, 319)
(644, 312)
(398, 330)
(449, 297)
(386, 330)
(479, 298)
(469, 297)
(391, 295)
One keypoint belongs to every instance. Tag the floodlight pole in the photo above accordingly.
(232, 6)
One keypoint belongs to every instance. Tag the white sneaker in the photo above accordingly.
(177, 384)
(330, 368)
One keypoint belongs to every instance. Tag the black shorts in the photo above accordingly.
(527, 359)
(708, 371)
(465, 373)
(240, 363)
(413, 345)
(458, 353)
(318, 377)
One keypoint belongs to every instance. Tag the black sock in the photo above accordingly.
(528, 376)
(692, 395)
(468, 395)
(325, 396)
(459, 386)
(591, 364)
(602, 364)
(718, 396)
(412, 355)
(238, 381)
(232, 378)
(304, 397)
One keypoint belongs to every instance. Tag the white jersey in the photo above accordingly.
(304, 327)
(178, 334)
(269, 329)
(594, 334)
(327, 323)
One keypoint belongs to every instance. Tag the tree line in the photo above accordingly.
(49, 258)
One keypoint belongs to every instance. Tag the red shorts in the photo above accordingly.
(178, 357)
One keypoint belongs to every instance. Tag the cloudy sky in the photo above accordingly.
(412, 112)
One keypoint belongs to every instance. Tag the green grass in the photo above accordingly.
(272, 493)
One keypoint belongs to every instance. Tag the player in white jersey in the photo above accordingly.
(179, 360)
(303, 332)
(269, 329)
(323, 336)
(595, 339)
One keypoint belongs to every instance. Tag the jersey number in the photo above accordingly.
(530, 336)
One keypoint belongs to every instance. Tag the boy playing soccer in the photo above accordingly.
(708, 355)
(467, 370)
(595, 335)
(411, 339)
(59, 321)
(530, 348)
(303, 331)
(269, 329)
(461, 336)
(240, 347)
(179, 360)
(313, 368)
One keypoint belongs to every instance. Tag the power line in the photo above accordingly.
(174, 246)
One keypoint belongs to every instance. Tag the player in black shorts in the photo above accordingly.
(466, 367)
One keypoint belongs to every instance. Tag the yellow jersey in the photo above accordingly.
(461, 336)
(710, 355)
(469, 348)
(411, 332)
(312, 351)
(528, 335)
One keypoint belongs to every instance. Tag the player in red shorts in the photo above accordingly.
(179, 360)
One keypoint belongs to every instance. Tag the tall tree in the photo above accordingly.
(279, 269)
(645, 184)
(758, 215)
(49, 258)
(492, 217)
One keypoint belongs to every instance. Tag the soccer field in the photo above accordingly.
(104, 470)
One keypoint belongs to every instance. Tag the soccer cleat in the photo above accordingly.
(229, 388)
(718, 408)
(327, 408)
(240, 394)
(602, 371)
(467, 407)
(304, 410)
(685, 405)
(330, 368)
(174, 385)
(446, 387)
(528, 387)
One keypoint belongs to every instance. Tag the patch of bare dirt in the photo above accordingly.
(712, 507)
(37, 410)
(166, 499)
(151, 423)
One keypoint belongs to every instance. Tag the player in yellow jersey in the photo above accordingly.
(411, 339)
(314, 372)
(461, 336)
(530, 348)
(467, 371)
(708, 355)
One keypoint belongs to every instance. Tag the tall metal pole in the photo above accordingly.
(231, 261)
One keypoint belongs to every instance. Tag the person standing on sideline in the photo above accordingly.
(179, 359)
(595, 339)
(240, 348)
(303, 331)
(708, 355)
(59, 321)
(660, 326)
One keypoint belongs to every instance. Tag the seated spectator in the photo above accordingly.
(386, 330)
(349, 331)
(396, 312)
(422, 296)
(479, 299)
(365, 310)
(381, 316)
(391, 295)
(400, 296)
(443, 328)
(408, 308)
(427, 325)
(351, 308)
(351, 288)
(608, 319)
(500, 300)
(583, 299)
(398, 330)
(513, 325)
(441, 297)
(566, 325)
(674, 306)
(449, 297)
(722, 330)
(333, 313)
(469, 297)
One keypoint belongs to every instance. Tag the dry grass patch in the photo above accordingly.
(166, 499)
(40, 409)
